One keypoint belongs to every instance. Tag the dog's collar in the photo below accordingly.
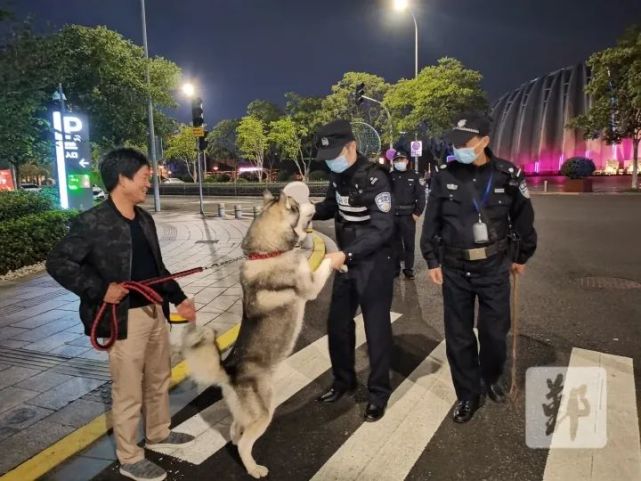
(254, 256)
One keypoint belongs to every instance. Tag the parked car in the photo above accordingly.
(98, 193)
(30, 187)
(173, 180)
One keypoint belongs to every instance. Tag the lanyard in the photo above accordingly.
(486, 195)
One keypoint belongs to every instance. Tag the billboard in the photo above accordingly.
(73, 160)
(6, 180)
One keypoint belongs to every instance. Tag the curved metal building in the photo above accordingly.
(530, 124)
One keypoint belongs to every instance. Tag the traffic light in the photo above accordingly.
(360, 91)
(197, 117)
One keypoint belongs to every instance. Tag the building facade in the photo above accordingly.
(530, 124)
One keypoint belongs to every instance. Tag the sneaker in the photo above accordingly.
(143, 470)
(174, 440)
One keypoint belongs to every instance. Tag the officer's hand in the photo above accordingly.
(436, 275)
(337, 259)
(415, 217)
(187, 310)
(518, 269)
(115, 293)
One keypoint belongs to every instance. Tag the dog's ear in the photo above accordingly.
(284, 200)
(267, 197)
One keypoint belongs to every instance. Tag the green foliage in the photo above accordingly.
(52, 194)
(215, 178)
(221, 140)
(29, 239)
(252, 141)
(433, 100)
(577, 168)
(264, 110)
(16, 204)
(182, 147)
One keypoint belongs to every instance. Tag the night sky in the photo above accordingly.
(240, 50)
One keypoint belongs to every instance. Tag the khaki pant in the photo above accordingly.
(140, 370)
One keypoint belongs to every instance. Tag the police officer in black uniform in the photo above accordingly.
(359, 199)
(409, 200)
(478, 227)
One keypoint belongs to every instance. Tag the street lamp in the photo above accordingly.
(188, 89)
(402, 6)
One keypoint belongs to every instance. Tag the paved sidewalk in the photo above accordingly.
(51, 380)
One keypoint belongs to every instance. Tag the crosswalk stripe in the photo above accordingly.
(621, 457)
(211, 426)
(389, 448)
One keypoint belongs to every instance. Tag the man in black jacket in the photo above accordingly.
(359, 200)
(113, 242)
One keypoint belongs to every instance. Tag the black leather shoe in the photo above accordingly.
(373, 412)
(409, 274)
(465, 409)
(497, 393)
(334, 394)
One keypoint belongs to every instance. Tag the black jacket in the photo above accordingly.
(409, 192)
(450, 212)
(97, 251)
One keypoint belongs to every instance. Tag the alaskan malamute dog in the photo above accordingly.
(277, 282)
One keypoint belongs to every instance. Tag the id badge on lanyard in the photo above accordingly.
(479, 229)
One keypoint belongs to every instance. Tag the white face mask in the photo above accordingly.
(400, 166)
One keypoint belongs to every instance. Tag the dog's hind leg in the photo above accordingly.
(235, 432)
(250, 435)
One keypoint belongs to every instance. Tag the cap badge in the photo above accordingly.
(324, 141)
(462, 122)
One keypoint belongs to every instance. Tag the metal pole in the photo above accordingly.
(415, 45)
(200, 176)
(150, 113)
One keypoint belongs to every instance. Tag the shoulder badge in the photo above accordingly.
(384, 201)
(373, 180)
(524, 190)
(452, 186)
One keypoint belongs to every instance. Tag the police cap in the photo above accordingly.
(467, 127)
(331, 138)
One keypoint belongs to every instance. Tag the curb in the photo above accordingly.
(81, 438)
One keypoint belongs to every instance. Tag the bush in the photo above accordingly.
(242, 180)
(577, 167)
(218, 178)
(29, 239)
(318, 175)
(16, 204)
(53, 194)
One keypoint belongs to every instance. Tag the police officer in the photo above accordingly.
(409, 199)
(477, 203)
(359, 199)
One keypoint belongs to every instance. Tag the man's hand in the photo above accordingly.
(415, 217)
(187, 310)
(436, 275)
(115, 293)
(337, 259)
(518, 269)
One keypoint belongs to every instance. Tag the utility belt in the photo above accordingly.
(478, 253)
(405, 209)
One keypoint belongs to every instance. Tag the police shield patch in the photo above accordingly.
(384, 201)
(524, 190)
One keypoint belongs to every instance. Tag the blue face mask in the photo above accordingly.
(466, 155)
(400, 166)
(338, 165)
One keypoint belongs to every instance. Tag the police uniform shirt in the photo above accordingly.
(451, 214)
(409, 192)
(360, 199)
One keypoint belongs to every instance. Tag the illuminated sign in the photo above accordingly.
(6, 180)
(73, 160)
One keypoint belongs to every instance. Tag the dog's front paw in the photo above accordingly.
(258, 471)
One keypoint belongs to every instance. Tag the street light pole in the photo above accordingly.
(150, 112)
(415, 45)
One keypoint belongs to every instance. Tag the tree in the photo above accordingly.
(264, 110)
(286, 136)
(251, 140)
(341, 103)
(615, 89)
(306, 112)
(182, 147)
(433, 100)
(221, 140)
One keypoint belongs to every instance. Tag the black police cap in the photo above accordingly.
(331, 138)
(467, 127)
(401, 154)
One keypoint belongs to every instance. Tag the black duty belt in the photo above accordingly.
(479, 253)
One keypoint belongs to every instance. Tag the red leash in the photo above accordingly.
(142, 287)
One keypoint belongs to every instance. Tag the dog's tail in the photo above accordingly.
(202, 356)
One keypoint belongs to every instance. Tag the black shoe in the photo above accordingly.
(497, 393)
(409, 274)
(465, 409)
(373, 412)
(334, 394)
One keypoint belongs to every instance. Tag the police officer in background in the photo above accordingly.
(477, 203)
(359, 200)
(409, 201)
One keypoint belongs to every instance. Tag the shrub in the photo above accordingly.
(16, 204)
(29, 239)
(242, 180)
(317, 175)
(53, 194)
(577, 167)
